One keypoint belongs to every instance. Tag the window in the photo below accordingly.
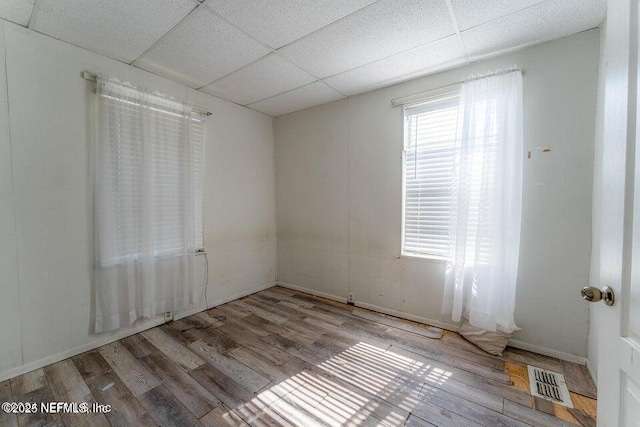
(428, 161)
(150, 176)
(430, 156)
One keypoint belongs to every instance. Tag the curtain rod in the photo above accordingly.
(92, 77)
(424, 96)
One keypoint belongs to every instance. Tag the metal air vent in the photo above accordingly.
(549, 386)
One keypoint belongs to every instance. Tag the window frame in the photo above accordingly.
(167, 107)
(435, 96)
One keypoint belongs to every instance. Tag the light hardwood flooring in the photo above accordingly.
(280, 357)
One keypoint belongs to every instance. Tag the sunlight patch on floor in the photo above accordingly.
(350, 389)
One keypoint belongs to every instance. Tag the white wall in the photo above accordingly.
(338, 181)
(46, 197)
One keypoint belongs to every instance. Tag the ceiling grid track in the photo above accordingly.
(283, 56)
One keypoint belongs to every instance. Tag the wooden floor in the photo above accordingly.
(284, 358)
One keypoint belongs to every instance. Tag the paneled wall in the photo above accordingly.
(46, 201)
(339, 190)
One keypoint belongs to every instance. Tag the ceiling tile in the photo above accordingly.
(18, 11)
(314, 94)
(200, 50)
(264, 78)
(546, 21)
(403, 66)
(382, 29)
(470, 13)
(120, 29)
(279, 22)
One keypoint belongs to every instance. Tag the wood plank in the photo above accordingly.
(579, 380)
(294, 349)
(518, 375)
(232, 311)
(414, 421)
(222, 416)
(454, 339)
(180, 331)
(187, 390)
(531, 416)
(173, 349)
(278, 296)
(279, 329)
(584, 404)
(137, 378)
(39, 418)
(91, 363)
(583, 418)
(425, 331)
(340, 390)
(67, 385)
(272, 305)
(166, 410)
(241, 373)
(466, 408)
(306, 329)
(242, 337)
(524, 357)
(26, 383)
(543, 405)
(481, 370)
(251, 327)
(265, 314)
(209, 318)
(267, 368)
(138, 345)
(7, 419)
(221, 342)
(467, 392)
(447, 350)
(431, 371)
(220, 385)
(331, 319)
(281, 290)
(441, 417)
(126, 410)
(250, 408)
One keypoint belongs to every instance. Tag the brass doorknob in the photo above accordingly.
(593, 294)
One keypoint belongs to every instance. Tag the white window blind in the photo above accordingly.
(153, 150)
(428, 161)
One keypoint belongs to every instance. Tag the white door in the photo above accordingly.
(617, 214)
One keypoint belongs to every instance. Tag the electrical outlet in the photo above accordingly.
(351, 299)
(168, 316)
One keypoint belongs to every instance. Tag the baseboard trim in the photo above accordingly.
(409, 316)
(439, 324)
(221, 301)
(580, 360)
(312, 292)
(592, 372)
(37, 364)
(403, 315)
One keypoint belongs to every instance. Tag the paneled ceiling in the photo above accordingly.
(279, 56)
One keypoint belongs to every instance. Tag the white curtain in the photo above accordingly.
(144, 205)
(482, 257)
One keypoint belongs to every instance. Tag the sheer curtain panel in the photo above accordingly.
(486, 203)
(148, 171)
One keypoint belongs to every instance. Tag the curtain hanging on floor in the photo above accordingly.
(144, 205)
(484, 229)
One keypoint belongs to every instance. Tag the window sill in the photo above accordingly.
(424, 258)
